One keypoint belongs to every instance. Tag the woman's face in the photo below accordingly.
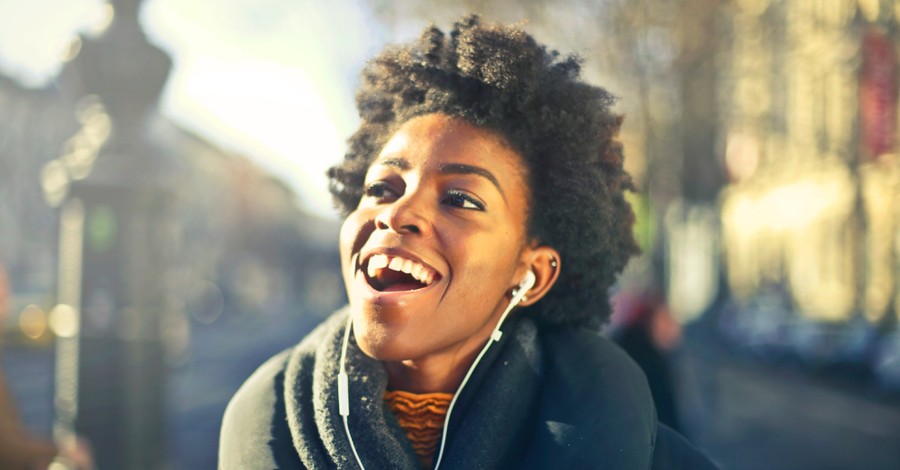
(438, 241)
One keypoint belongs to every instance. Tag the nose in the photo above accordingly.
(405, 215)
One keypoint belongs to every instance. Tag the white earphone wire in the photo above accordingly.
(344, 392)
(517, 297)
(496, 334)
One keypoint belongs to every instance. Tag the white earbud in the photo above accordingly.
(524, 286)
(529, 281)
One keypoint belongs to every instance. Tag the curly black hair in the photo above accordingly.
(499, 78)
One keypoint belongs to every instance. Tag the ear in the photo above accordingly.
(545, 262)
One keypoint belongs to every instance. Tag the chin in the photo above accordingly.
(376, 339)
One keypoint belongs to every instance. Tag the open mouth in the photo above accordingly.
(386, 273)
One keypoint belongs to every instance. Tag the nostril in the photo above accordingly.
(402, 219)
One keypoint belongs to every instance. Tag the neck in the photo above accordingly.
(443, 371)
(429, 375)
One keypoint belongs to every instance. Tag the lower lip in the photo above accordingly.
(400, 297)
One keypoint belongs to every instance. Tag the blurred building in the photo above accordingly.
(228, 210)
(808, 116)
(33, 125)
(122, 232)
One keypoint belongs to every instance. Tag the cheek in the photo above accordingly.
(352, 237)
(353, 234)
(348, 234)
(490, 264)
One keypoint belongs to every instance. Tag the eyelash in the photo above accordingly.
(455, 198)
(460, 199)
(377, 189)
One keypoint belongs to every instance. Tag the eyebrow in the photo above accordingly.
(450, 169)
(399, 163)
(463, 169)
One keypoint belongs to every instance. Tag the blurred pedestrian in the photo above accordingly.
(645, 328)
(18, 448)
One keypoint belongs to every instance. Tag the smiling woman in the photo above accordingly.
(449, 197)
(485, 223)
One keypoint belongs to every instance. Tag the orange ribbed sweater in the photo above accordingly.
(421, 415)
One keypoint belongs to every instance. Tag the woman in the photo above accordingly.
(484, 178)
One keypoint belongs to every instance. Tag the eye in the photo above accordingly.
(462, 200)
(381, 190)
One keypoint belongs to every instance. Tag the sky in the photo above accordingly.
(270, 79)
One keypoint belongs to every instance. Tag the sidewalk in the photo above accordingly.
(749, 415)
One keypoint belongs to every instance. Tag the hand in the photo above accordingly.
(20, 451)
(75, 455)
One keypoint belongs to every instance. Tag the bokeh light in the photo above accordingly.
(64, 321)
(33, 322)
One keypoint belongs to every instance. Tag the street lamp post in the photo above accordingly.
(111, 182)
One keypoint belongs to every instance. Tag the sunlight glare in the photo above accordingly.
(35, 44)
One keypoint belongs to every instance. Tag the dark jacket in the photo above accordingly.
(566, 398)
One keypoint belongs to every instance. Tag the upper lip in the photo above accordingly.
(365, 254)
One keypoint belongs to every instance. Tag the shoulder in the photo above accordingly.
(673, 451)
(605, 405)
(595, 400)
(250, 435)
(255, 431)
(589, 363)
(258, 392)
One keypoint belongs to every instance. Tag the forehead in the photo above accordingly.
(434, 140)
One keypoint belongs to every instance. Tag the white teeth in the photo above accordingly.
(417, 271)
(377, 262)
(380, 261)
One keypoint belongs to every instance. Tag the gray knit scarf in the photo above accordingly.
(495, 410)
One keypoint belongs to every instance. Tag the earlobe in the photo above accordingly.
(545, 263)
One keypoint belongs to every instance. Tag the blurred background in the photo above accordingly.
(165, 225)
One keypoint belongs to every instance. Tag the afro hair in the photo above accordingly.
(499, 78)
